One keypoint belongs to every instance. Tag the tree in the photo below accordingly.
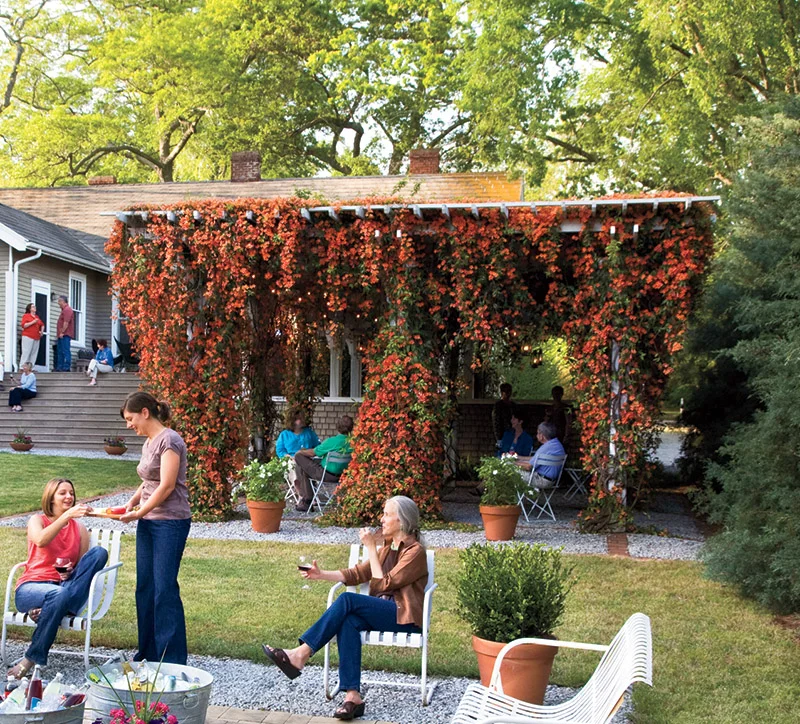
(759, 501)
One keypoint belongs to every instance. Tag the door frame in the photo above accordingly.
(42, 287)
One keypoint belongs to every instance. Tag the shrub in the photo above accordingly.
(512, 591)
(501, 481)
(264, 482)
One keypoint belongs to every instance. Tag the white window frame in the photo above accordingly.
(80, 329)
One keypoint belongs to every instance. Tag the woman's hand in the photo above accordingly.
(314, 573)
(368, 538)
(65, 576)
(130, 516)
(77, 511)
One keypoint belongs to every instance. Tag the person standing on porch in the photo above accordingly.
(32, 328)
(65, 329)
(103, 362)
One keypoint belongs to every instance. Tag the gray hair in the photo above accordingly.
(408, 513)
(548, 430)
(63, 298)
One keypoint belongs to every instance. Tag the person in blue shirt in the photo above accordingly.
(516, 440)
(26, 389)
(295, 437)
(103, 362)
(547, 435)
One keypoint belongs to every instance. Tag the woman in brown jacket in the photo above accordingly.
(397, 574)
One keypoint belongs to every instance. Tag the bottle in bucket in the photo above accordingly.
(34, 695)
(11, 684)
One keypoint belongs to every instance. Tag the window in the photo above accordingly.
(77, 300)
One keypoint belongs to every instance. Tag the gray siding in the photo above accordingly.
(4, 249)
(98, 303)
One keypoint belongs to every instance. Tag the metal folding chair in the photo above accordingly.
(322, 496)
(579, 479)
(539, 489)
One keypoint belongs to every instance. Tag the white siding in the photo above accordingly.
(4, 251)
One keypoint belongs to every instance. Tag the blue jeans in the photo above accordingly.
(159, 610)
(351, 614)
(17, 395)
(58, 600)
(63, 354)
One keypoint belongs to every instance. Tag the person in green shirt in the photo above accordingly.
(311, 468)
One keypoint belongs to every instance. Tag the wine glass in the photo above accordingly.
(62, 564)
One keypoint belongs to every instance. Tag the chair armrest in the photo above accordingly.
(512, 719)
(496, 684)
(426, 608)
(332, 593)
(10, 583)
(95, 579)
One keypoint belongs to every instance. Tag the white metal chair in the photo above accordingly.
(579, 478)
(101, 593)
(388, 638)
(291, 492)
(321, 495)
(627, 660)
(539, 490)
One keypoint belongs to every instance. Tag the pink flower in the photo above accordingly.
(172, 719)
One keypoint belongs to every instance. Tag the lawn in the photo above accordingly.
(24, 476)
(717, 658)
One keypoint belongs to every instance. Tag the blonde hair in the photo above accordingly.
(50, 492)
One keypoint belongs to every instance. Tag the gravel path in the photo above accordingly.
(66, 453)
(249, 685)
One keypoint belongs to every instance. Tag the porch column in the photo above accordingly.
(355, 367)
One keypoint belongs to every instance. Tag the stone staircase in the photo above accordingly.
(67, 413)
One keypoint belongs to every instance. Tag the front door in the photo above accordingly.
(40, 296)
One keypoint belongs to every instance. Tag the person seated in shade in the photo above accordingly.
(502, 411)
(308, 468)
(26, 389)
(297, 436)
(549, 445)
(58, 572)
(103, 362)
(558, 413)
(516, 440)
(397, 575)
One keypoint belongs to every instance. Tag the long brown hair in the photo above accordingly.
(138, 401)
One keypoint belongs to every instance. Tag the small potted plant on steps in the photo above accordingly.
(115, 445)
(499, 508)
(264, 488)
(21, 441)
(510, 592)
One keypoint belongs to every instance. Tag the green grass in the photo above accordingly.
(717, 658)
(24, 476)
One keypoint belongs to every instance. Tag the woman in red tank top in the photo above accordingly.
(47, 593)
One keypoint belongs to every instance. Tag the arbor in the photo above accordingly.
(759, 501)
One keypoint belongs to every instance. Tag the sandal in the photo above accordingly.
(281, 660)
(20, 670)
(349, 710)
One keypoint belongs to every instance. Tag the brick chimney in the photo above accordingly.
(101, 180)
(423, 160)
(245, 166)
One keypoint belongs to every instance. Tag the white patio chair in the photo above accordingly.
(291, 492)
(579, 478)
(321, 495)
(388, 638)
(627, 660)
(539, 489)
(101, 593)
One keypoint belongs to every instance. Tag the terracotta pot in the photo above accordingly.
(21, 446)
(499, 521)
(114, 450)
(525, 671)
(265, 517)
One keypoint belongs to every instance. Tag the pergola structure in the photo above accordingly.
(219, 287)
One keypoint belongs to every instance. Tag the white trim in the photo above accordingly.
(12, 238)
(43, 287)
(80, 330)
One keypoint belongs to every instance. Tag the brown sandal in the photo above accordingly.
(281, 660)
(349, 710)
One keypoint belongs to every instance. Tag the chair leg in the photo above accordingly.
(326, 675)
(521, 498)
(3, 644)
(86, 662)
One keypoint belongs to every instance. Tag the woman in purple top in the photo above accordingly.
(164, 518)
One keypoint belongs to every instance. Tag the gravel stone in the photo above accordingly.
(67, 453)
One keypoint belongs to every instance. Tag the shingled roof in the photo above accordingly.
(80, 207)
(29, 231)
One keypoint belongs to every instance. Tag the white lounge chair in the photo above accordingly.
(627, 660)
(101, 593)
(388, 638)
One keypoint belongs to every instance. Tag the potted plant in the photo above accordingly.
(264, 487)
(499, 508)
(21, 441)
(115, 445)
(509, 592)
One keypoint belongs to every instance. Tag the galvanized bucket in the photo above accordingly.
(73, 715)
(189, 706)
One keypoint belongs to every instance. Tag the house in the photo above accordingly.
(51, 239)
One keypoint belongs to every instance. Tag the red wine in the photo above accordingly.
(304, 567)
(61, 569)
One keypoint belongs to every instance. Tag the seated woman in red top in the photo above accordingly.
(397, 574)
(59, 570)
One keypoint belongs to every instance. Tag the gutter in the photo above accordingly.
(64, 256)
(14, 306)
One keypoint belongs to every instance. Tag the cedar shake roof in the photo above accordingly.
(79, 207)
(55, 240)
